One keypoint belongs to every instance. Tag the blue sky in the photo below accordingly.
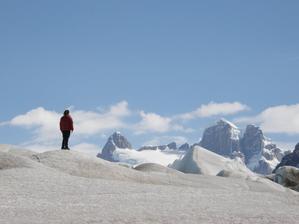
(162, 57)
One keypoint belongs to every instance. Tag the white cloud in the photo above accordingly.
(90, 123)
(152, 122)
(45, 123)
(214, 109)
(278, 119)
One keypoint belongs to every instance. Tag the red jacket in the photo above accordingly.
(66, 123)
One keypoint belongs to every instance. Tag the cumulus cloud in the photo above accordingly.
(90, 123)
(278, 119)
(45, 123)
(214, 109)
(152, 122)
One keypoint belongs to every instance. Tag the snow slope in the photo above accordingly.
(134, 157)
(202, 161)
(70, 187)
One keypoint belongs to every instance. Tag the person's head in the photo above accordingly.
(296, 150)
(66, 112)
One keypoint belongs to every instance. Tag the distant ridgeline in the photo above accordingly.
(224, 138)
(257, 151)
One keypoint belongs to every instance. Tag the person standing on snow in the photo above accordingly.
(66, 127)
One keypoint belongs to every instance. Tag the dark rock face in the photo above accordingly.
(258, 153)
(222, 138)
(115, 141)
(172, 146)
(252, 142)
(120, 141)
(291, 159)
(162, 147)
(287, 176)
(184, 147)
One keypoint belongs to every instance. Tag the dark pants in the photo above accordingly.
(65, 141)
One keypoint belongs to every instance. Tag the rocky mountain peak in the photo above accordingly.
(224, 122)
(172, 146)
(258, 152)
(184, 147)
(116, 140)
(120, 141)
(253, 141)
(222, 138)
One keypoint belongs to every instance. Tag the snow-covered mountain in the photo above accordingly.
(261, 155)
(185, 147)
(258, 152)
(222, 138)
(115, 141)
(119, 149)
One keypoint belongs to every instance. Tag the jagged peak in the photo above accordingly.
(223, 121)
(116, 133)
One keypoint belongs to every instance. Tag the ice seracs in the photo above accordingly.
(199, 160)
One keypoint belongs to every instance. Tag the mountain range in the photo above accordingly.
(224, 138)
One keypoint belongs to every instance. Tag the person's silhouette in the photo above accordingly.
(66, 126)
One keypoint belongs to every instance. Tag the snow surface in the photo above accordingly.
(134, 157)
(70, 187)
(202, 161)
(223, 120)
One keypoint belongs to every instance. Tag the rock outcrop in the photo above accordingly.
(222, 138)
(287, 176)
(257, 151)
(184, 147)
(291, 159)
(172, 146)
(253, 142)
(261, 155)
